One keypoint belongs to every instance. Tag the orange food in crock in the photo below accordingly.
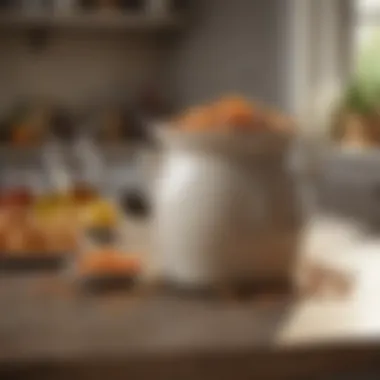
(108, 261)
(279, 122)
(236, 112)
(198, 119)
(233, 113)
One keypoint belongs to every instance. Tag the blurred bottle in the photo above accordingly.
(151, 109)
(62, 125)
(27, 123)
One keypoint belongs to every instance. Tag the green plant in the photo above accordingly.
(362, 95)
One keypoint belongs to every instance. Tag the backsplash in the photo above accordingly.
(74, 68)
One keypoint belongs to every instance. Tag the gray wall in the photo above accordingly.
(226, 46)
(231, 46)
(245, 46)
(75, 68)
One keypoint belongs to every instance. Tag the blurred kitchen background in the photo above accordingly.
(112, 69)
(153, 57)
(102, 61)
(83, 83)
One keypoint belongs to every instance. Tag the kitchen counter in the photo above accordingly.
(49, 330)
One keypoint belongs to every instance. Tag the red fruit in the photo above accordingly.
(17, 197)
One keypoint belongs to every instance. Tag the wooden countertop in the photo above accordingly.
(48, 330)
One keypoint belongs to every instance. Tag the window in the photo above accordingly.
(368, 27)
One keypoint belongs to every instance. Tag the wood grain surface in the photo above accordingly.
(50, 330)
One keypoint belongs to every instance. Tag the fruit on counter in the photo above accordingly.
(16, 197)
(58, 203)
(24, 240)
(109, 261)
(34, 239)
(28, 124)
(51, 204)
(13, 218)
(234, 113)
(100, 213)
(83, 193)
(23, 230)
(14, 241)
(62, 236)
(3, 242)
(80, 207)
(23, 135)
(23, 235)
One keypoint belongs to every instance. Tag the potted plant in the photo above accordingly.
(358, 118)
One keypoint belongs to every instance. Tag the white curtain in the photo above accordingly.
(319, 59)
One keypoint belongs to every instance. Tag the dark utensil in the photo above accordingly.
(135, 203)
(62, 126)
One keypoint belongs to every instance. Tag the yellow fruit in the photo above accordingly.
(100, 214)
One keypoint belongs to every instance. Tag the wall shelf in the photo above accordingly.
(113, 21)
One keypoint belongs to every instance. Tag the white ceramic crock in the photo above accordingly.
(225, 208)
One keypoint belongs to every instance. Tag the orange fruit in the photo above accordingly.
(22, 136)
(109, 261)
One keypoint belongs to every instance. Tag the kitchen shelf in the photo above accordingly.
(91, 21)
(10, 153)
